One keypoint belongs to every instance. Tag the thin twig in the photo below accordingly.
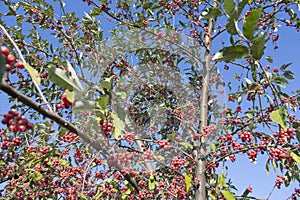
(23, 60)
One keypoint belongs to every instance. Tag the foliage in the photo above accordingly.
(128, 102)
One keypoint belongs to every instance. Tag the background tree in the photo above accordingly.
(134, 110)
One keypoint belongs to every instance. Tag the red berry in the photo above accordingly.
(275, 69)
(10, 59)
(20, 65)
(4, 51)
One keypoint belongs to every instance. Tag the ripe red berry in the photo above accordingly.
(4, 51)
(10, 59)
(20, 65)
(275, 69)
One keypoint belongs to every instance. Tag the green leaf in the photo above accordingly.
(37, 176)
(2, 67)
(231, 53)
(103, 101)
(230, 26)
(258, 47)
(95, 12)
(70, 96)
(269, 59)
(268, 167)
(289, 75)
(83, 106)
(278, 117)
(228, 195)
(295, 157)
(211, 13)
(127, 192)
(186, 144)
(221, 180)
(240, 8)
(250, 26)
(106, 83)
(33, 73)
(187, 178)
(73, 74)
(82, 196)
(63, 78)
(283, 67)
(229, 6)
(63, 162)
(118, 124)
(151, 183)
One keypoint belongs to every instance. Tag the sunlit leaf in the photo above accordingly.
(37, 176)
(187, 178)
(118, 124)
(33, 73)
(73, 74)
(63, 78)
(295, 157)
(278, 116)
(228, 195)
(151, 183)
(258, 47)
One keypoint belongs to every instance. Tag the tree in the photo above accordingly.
(138, 110)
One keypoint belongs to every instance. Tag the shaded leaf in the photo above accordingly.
(250, 26)
(230, 26)
(229, 6)
(258, 47)
(231, 53)
(240, 8)
(289, 75)
(269, 59)
(283, 67)
(211, 13)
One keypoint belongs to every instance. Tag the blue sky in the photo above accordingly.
(243, 173)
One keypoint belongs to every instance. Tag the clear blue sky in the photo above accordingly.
(242, 173)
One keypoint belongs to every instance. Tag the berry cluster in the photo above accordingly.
(15, 122)
(279, 181)
(106, 127)
(163, 144)
(245, 136)
(64, 103)
(69, 137)
(10, 60)
(177, 163)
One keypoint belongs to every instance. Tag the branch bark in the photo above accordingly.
(200, 151)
